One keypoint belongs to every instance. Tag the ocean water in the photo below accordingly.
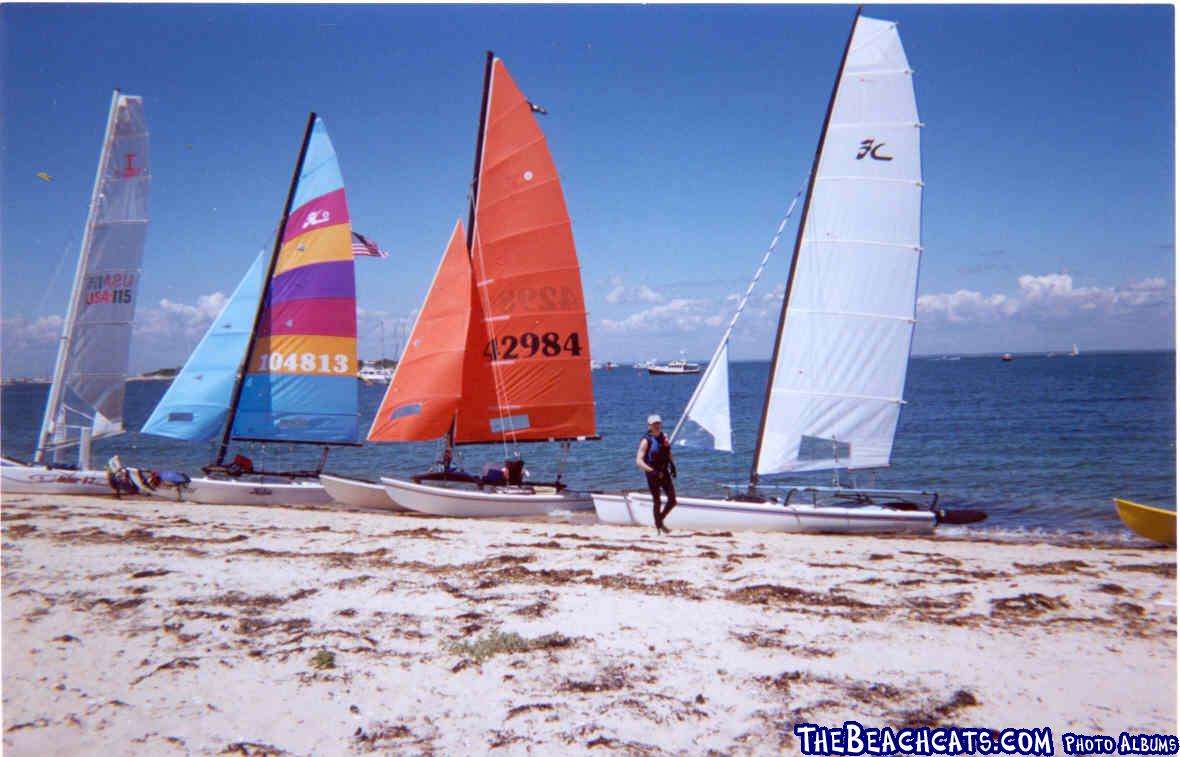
(1039, 443)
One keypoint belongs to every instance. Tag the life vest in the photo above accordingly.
(658, 451)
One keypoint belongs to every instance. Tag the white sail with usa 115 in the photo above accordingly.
(85, 399)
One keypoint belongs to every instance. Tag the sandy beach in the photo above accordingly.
(153, 627)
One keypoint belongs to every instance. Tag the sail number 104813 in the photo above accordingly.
(302, 362)
(528, 344)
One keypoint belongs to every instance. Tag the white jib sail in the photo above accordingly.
(91, 370)
(705, 422)
(845, 343)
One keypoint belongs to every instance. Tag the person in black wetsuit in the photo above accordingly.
(654, 456)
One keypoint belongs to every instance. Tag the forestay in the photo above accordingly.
(91, 370)
(196, 404)
(849, 313)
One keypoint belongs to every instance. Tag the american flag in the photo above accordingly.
(363, 247)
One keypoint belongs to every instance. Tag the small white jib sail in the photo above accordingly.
(89, 376)
(839, 364)
(705, 419)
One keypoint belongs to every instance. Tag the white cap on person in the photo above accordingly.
(653, 418)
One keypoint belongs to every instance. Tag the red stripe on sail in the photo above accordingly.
(329, 209)
(335, 316)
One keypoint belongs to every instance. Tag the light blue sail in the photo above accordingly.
(196, 404)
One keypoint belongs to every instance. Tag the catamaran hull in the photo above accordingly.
(635, 509)
(471, 503)
(37, 479)
(270, 491)
(267, 491)
(354, 493)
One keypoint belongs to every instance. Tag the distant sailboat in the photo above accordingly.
(500, 353)
(89, 377)
(279, 362)
(835, 387)
(1074, 351)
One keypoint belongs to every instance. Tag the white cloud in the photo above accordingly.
(646, 294)
(1050, 296)
(965, 305)
(681, 314)
(169, 323)
(21, 333)
(620, 293)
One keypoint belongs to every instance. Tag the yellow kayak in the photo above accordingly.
(1150, 522)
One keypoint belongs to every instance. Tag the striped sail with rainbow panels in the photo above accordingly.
(301, 382)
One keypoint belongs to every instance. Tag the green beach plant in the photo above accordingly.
(324, 660)
(498, 642)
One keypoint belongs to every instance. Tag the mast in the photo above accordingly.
(49, 422)
(270, 269)
(483, 118)
(823, 135)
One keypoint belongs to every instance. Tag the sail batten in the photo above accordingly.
(840, 359)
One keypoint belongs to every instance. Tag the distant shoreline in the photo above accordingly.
(922, 356)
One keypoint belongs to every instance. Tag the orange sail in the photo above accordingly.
(527, 368)
(423, 397)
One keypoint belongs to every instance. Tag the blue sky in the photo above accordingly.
(681, 133)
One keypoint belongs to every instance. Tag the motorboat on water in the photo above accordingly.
(674, 368)
(375, 374)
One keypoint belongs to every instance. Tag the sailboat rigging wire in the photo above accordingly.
(66, 249)
(741, 306)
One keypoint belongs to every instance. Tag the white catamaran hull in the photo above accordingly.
(355, 493)
(247, 490)
(635, 509)
(493, 503)
(16, 478)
